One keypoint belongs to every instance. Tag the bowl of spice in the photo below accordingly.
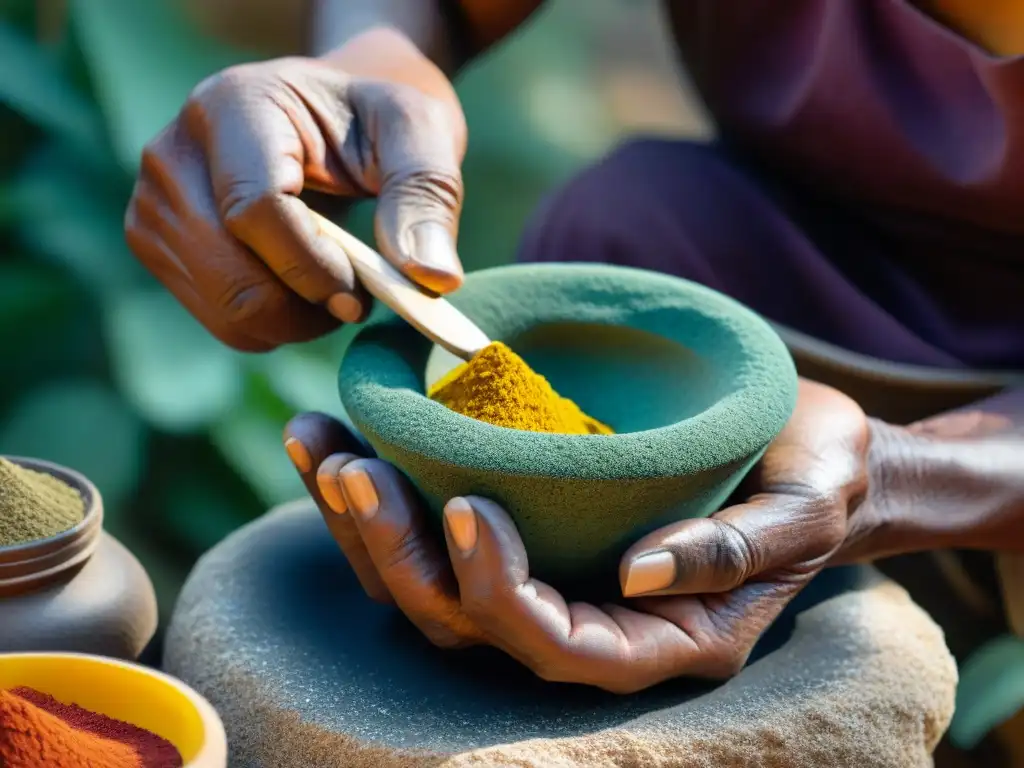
(65, 584)
(613, 401)
(76, 710)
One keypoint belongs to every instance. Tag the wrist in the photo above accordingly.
(386, 53)
(420, 23)
(931, 491)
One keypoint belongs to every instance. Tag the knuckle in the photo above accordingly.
(242, 302)
(225, 89)
(151, 163)
(219, 84)
(240, 204)
(403, 549)
(133, 228)
(143, 207)
(833, 534)
(426, 110)
(829, 512)
(159, 156)
(295, 273)
(735, 552)
(435, 187)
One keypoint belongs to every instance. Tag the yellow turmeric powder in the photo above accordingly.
(497, 386)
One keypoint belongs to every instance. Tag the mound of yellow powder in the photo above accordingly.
(497, 386)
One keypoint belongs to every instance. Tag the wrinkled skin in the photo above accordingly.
(834, 488)
(807, 503)
(216, 214)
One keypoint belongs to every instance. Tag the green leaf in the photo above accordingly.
(32, 84)
(8, 207)
(991, 690)
(19, 13)
(75, 219)
(81, 424)
(250, 441)
(28, 291)
(145, 59)
(177, 375)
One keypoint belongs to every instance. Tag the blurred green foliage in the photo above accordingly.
(102, 370)
(990, 691)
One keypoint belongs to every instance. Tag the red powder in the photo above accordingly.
(153, 751)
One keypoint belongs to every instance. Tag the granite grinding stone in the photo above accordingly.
(695, 384)
(306, 672)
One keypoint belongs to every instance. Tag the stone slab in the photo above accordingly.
(307, 673)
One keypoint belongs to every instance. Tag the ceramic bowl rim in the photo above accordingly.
(29, 565)
(657, 449)
(213, 753)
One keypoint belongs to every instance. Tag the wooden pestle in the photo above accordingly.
(432, 316)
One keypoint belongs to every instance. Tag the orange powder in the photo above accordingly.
(31, 738)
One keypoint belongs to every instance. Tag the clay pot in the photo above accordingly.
(694, 384)
(79, 590)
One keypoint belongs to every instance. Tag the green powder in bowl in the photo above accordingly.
(35, 505)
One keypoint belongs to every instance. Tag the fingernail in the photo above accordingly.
(331, 491)
(649, 573)
(433, 257)
(298, 454)
(359, 492)
(345, 307)
(461, 519)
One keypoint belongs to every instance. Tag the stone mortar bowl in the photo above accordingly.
(694, 384)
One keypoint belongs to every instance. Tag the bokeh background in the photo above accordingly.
(101, 369)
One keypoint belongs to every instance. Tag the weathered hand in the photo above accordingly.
(216, 214)
(699, 593)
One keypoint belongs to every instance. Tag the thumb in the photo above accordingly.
(691, 557)
(772, 536)
(418, 142)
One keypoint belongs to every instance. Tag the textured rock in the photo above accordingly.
(695, 385)
(308, 673)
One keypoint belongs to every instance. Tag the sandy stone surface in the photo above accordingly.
(307, 673)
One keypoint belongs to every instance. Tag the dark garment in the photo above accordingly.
(691, 210)
(893, 221)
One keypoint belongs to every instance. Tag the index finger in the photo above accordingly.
(258, 150)
(612, 647)
(317, 443)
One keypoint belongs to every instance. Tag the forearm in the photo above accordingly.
(955, 480)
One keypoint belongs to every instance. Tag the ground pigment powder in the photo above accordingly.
(35, 505)
(38, 730)
(497, 386)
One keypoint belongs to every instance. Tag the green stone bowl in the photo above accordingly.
(695, 385)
